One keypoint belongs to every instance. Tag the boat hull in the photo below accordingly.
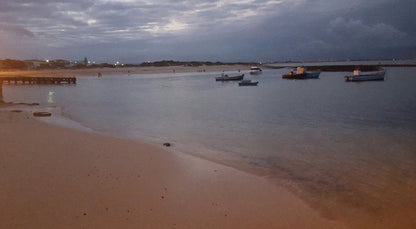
(230, 78)
(254, 70)
(302, 76)
(313, 75)
(378, 76)
(294, 76)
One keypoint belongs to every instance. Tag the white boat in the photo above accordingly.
(254, 70)
(365, 77)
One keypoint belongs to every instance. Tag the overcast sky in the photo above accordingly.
(224, 30)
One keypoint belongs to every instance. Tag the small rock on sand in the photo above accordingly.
(42, 114)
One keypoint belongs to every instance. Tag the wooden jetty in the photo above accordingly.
(37, 80)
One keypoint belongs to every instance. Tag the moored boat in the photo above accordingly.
(375, 76)
(248, 83)
(229, 78)
(301, 74)
(254, 70)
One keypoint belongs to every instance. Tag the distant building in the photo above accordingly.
(60, 63)
(34, 63)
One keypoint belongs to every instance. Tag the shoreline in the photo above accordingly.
(359, 219)
(103, 173)
(122, 70)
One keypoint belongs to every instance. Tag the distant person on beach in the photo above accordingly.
(99, 74)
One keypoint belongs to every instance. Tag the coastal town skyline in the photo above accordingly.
(229, 31)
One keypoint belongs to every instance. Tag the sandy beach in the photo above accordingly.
(122, 70)
(53, 177)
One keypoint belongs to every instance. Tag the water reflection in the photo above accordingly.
(51, 96)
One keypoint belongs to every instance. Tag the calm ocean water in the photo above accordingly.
(329, 137)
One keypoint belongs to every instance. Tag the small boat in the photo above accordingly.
(254, 70)
(229, 78)
(301, 74)
(248, 83)
(365, 77)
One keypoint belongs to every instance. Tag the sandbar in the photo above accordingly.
(123, 70)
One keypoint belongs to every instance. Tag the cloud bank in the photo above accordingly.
(233, 30)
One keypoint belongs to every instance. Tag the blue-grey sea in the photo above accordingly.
(351, 143)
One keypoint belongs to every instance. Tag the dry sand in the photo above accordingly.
(52, 177)
(124, 70)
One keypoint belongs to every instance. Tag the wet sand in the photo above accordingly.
(123, 70)
(53, 177)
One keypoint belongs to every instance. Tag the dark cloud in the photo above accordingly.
(233, 30)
